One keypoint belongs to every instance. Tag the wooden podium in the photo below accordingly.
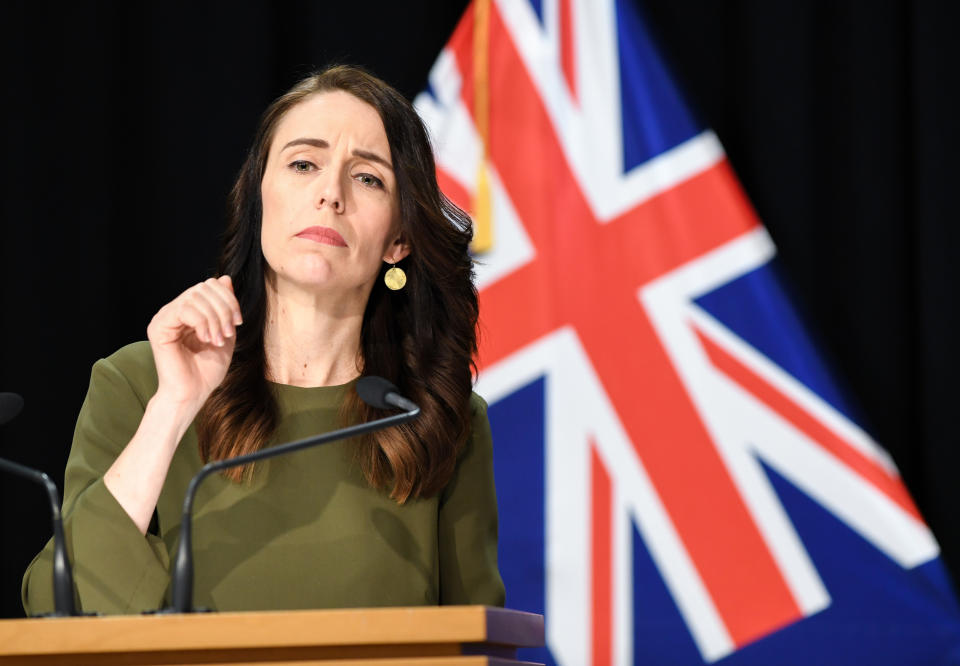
(431, 635)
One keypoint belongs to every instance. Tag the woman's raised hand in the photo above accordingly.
(192, 339)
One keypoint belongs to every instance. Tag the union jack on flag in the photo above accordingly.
(680, 480)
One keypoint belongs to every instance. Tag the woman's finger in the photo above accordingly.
(209, 308)
(215, 294)
(193, 318)
(227, 282)
(198, 300)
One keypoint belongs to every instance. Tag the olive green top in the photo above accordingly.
(306, 532)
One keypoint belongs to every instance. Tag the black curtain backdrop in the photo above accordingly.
(125, 125)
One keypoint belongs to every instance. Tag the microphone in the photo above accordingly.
(378, 392)
(10, 406)
(375, 391)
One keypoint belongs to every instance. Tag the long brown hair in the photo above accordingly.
(422, 338)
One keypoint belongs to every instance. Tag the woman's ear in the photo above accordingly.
(398, 250)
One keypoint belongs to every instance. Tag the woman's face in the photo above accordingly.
(330, 204)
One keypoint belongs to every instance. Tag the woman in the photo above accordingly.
(337, 193)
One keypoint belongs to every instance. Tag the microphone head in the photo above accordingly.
(10, 406)
(373, 390)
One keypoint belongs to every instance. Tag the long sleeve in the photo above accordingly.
(116, 569)
(467, 534)
(305, 532)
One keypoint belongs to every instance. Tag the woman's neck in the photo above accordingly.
(311, 339)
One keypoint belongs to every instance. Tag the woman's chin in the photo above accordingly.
(320, 281)
(317, 277)
(309, 272)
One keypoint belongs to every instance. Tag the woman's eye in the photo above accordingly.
(301, 166)
(369, 180)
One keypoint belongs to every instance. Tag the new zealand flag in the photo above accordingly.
(680, 482)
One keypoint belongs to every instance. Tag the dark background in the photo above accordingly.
(126, 124)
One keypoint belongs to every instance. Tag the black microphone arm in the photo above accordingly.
(375, 391)
(10, 405)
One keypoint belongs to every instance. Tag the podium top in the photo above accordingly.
(457, 627)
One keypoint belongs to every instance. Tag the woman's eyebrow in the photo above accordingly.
(373, 157)
(317, 143)
(320, 143)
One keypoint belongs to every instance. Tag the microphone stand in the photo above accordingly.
(182, 583)
(62, 573)
(10, 406)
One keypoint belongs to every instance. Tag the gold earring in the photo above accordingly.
(395, 278)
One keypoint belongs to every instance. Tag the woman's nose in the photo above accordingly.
(330, 193)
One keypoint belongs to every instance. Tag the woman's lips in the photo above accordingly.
(324, 235)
